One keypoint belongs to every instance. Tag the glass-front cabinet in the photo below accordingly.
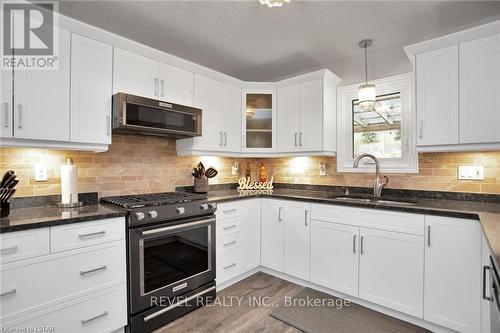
(259, 121)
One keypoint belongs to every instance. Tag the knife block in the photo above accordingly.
(4, 209)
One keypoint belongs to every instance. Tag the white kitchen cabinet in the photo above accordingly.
(259, 122)
(251, 234)
(297, 239)
(176, 85)
(207, 96)
(311, 115)
(6, 130)
(135, 74)
(41, 99)
(391, 270)
(230, 118)
(452, 273)
(479, 90)
(334, 256)
(272, 243)
(288, 118)
(91, 90)
(485, 285)
(437, 97)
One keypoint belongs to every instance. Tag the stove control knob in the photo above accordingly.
(213, 205)
(139, 216)
(181, 210)
(204, 206)
(153, 214)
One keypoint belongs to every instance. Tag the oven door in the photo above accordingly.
(169, 260)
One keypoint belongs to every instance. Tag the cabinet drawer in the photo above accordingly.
(104, 311)
(370, 218)
(45, 281)
(228, 226)
(23, 244)
(229, 210)
(228, 266)
(229, 242)
(73, 236)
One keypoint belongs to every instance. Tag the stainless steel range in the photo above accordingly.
(171, 255)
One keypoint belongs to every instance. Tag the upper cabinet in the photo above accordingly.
(138, 75)
(259, 122)
(457, 85)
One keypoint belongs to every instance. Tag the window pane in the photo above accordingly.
(377, 129)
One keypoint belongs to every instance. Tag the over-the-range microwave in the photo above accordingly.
(139, 115)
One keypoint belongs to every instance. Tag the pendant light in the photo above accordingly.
(366, 95)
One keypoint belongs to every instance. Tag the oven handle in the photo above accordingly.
(178, 303)
(178, 226)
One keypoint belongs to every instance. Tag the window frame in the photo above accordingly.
(408, 163)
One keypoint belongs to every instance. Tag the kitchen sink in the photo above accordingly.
(375, 201)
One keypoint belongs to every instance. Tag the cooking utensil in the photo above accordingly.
(11, 183)
(9, 194)
(5, 177)
(211, 173)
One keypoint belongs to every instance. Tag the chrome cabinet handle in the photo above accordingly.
(229, 211)
(280, 214)
(108, 125)
(20, 116)
(86, 321)
(225, 138)
(9, 292)
(156, 87)
(486, 270)
(300, 139)
(296, 134)
(221, 141)
(162, 88)
(354, 243)
(10, 249)
(361, 244)
(93, 270)
(306, 222)
(229, 266)
(429, 236)
(98, 233)
(421, 129)
(229, 227)
(6, 114)
(229, 243)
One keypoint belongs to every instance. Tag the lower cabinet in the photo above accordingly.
(391, 270)
(272, 242)
(485, 294)
(453, 273)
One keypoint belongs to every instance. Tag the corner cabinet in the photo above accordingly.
(259, 120)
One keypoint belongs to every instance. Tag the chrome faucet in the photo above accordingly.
(378, 184)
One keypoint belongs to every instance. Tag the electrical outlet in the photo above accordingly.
(40, 172)
(322, 169)
(235, 168)
(471, 172)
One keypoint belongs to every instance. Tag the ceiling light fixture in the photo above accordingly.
(274, 3)
(367, 95)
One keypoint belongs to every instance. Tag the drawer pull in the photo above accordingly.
(229, 211)
(230, 227)
(86, 321)
(103, 267)
(10, 249)
(8, 293)
(92, 234)
(229, 266)
(229, 243)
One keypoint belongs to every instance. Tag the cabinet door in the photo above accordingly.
(479, 90)
(41, 99)
(437, 97)
(6, 100)
(297, 239)
(207, 96)
(259, 123)
(91, 86)
(288, 119)
(485, 302)
(251, 234)
(135, 74)
(176, 85)
(334, 256)
(452, 273)
(272, 224)
(391, 270)
(311, 116)
(231, 118)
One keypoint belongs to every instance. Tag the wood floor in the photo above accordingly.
(246, 316)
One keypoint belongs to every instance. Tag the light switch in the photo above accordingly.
(40, 172)
(471, 172)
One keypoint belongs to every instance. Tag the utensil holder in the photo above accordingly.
(4, 209)
(201, 185)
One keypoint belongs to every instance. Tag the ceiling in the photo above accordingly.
(254, 43)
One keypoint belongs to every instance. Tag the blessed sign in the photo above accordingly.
(247, 184)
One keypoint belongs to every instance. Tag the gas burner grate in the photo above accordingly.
(152, 199)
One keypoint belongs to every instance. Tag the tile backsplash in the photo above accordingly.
(142, 165)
